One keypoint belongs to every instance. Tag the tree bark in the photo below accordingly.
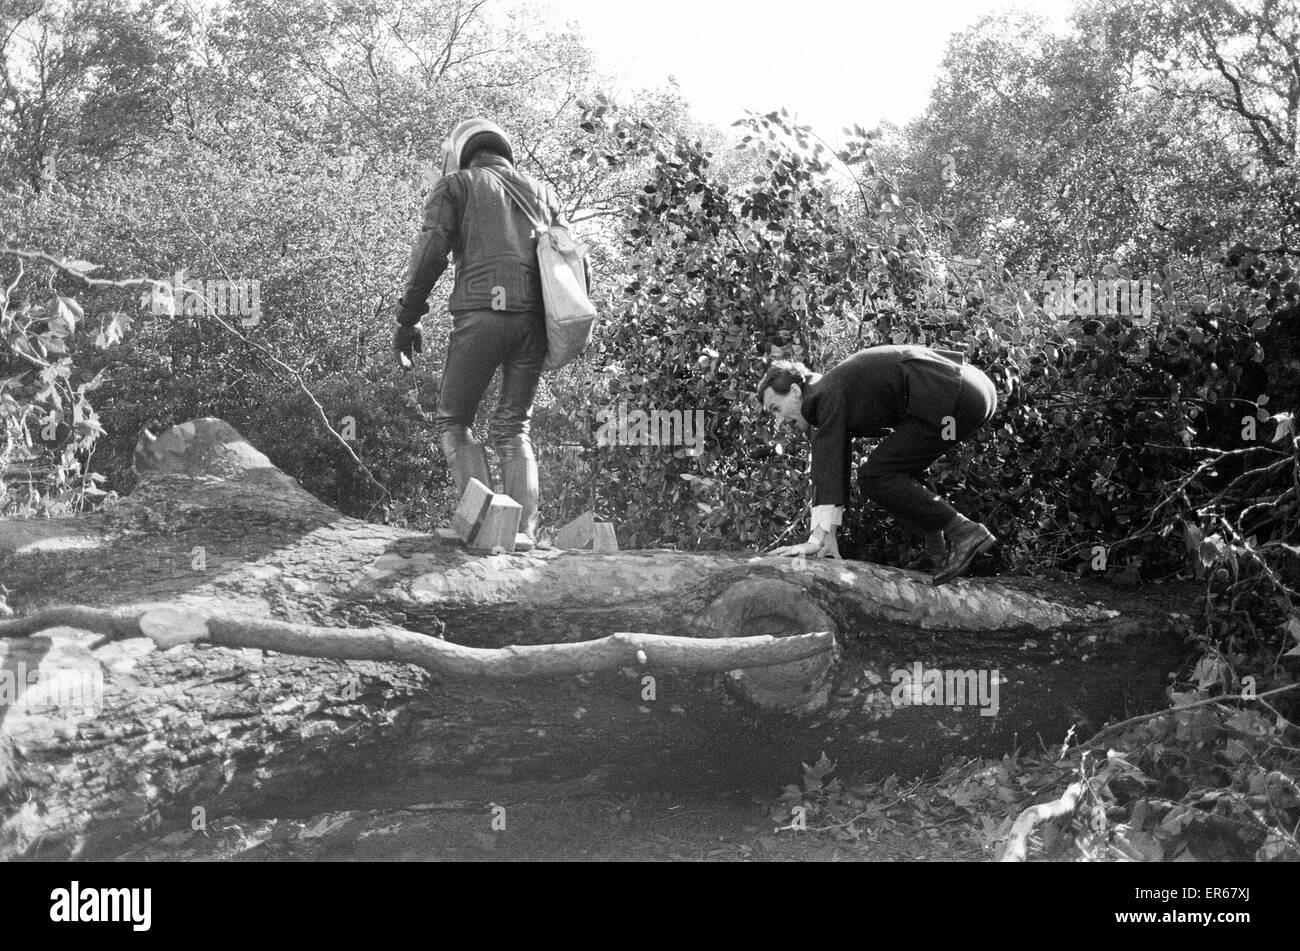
(214, 531)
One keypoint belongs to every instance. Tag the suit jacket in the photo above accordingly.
(867, 394)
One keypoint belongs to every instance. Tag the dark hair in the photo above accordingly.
(782, 375)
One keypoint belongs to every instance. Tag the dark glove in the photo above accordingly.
(407, 341)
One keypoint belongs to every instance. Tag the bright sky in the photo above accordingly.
(832, 62)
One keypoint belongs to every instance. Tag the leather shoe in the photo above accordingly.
(966, 547)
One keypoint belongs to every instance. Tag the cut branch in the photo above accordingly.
(170, 627)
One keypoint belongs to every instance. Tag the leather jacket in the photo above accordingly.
(470, 215)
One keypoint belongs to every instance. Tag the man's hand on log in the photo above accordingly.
(820, 545)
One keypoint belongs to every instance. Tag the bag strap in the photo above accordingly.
(513, 192)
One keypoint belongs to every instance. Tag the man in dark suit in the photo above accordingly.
(930, 399)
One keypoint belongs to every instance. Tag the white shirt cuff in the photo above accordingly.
(827, 516)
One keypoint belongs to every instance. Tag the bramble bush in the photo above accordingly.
(1096, 415)
(1128, 446)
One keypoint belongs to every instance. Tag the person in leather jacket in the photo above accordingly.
(496, 307)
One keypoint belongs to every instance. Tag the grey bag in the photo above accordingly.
(570, 315)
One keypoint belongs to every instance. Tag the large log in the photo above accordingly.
(214, 531)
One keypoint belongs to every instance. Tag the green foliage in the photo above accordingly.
(49, 424)
(722, 274)
(278, 161)
(1201, 782)
(86, 83)
(1197, 783)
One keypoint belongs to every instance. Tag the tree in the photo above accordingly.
(83, 83)
(217, 546)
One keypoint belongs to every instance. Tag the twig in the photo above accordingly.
(1034, 816)
(1182, 486)
(67, 269)
(1185, 706)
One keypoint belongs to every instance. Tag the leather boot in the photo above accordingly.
(969, 539)
(519, 481)
(466, 458)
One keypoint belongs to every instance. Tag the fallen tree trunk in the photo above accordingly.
(243, 556)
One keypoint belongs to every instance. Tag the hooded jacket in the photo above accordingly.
(471, 216)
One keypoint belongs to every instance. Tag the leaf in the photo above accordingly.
(1185, 698)
(1285, 426)
(119, 324)
(89, 427)
(52, 343)
(1293, 628)
(1210, 549)
(70, 311)
(1137, 846)
(1275, 849)
(1210, 670)
(92, 384)
(1177, 820)
(813, 775)
(81, 267)
(325, 825)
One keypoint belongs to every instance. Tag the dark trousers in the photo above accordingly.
(892, 474)
(481, 341)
